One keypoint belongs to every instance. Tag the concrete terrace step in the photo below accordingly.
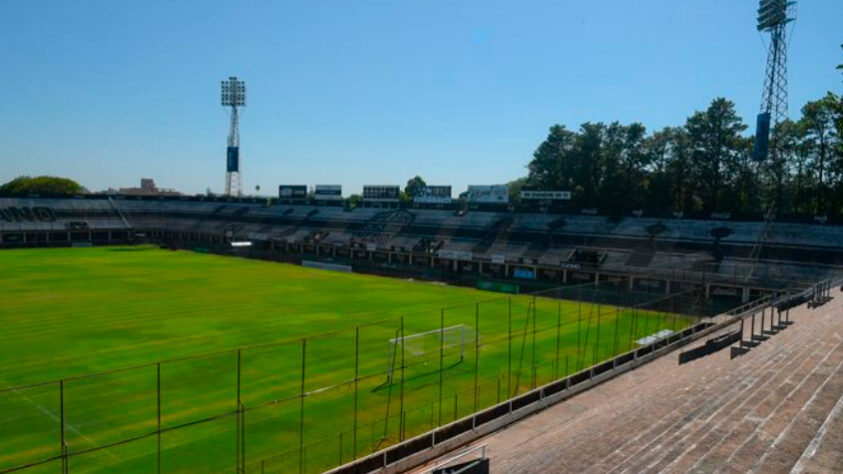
(775, 408)
(718, 413)
(731, 389)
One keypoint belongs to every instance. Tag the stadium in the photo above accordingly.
(330, 361)
(638, 300)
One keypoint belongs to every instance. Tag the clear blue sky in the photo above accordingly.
(368, 92)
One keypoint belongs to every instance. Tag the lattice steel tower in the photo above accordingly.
(773, 17)
(234, 96)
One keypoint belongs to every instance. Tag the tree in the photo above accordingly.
(48, 185)
(715, 139)
(706, 164)
(818, 121)
(414, 186)
(515, 189)
(353, 201)
(553, 163)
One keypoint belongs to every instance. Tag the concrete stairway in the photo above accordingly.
(777, 408)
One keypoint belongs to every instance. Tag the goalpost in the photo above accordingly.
(424, 349)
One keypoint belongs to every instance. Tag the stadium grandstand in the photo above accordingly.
(735, 260)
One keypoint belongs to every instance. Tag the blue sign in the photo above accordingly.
(762, 137)
(232, 159)
(524, 274)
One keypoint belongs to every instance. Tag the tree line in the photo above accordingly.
(703, 165)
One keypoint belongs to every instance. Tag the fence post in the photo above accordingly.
(533, 362)
(580, 348)
(566, 368)
(301, 411)
(499, 389)
(238, 418)
(158, 391)
(476, 351)
(596, 352)
(356, 377)
(633, 326)
(64, 466)
(509, 359)
(401, 392)
(558, 328)
(441, 358)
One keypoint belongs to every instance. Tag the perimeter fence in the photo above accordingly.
(310, 404)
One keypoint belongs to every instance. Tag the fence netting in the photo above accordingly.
(310, 404)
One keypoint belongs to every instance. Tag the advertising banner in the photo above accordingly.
(292, 191)
(497, 286)
(524, 274)
(455, 254)
(328, 192)
(531, 194)
(488, 194)
(326, 266)
(434, 195)
(381, 193)
(232, 162)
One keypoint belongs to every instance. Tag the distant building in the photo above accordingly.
(148, 188)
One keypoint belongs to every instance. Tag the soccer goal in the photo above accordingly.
(422, 351)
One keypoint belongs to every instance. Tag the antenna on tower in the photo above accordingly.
(773, 17)
(234, 96)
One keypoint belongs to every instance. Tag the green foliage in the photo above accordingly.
(414, 186)
(353, 201)
(50, 185)
(704, 165)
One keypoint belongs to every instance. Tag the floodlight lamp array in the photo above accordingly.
(773, 13)
(233, 93)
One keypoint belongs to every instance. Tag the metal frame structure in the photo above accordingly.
(773, 17)
(233, 95)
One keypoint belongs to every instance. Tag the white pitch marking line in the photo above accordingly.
(58, 420)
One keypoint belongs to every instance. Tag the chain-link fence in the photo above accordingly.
(310, 404)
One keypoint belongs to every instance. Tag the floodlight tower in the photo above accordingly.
(773, 17)
(233, 95)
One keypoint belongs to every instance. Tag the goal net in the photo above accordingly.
(422, 351)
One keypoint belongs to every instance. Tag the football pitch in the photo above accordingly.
(135, 359)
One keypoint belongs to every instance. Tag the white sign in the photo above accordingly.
(546, 195)
(488, 194)
(454, 254)
(434, 195)
(328, 192)
(498, 258)
(381, 192)
(371, 247)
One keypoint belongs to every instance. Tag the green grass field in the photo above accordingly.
(70, 312)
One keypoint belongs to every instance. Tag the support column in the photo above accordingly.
(596, 278)
(745, 295)
(631, 282)
(667, 287)
(564, 276)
